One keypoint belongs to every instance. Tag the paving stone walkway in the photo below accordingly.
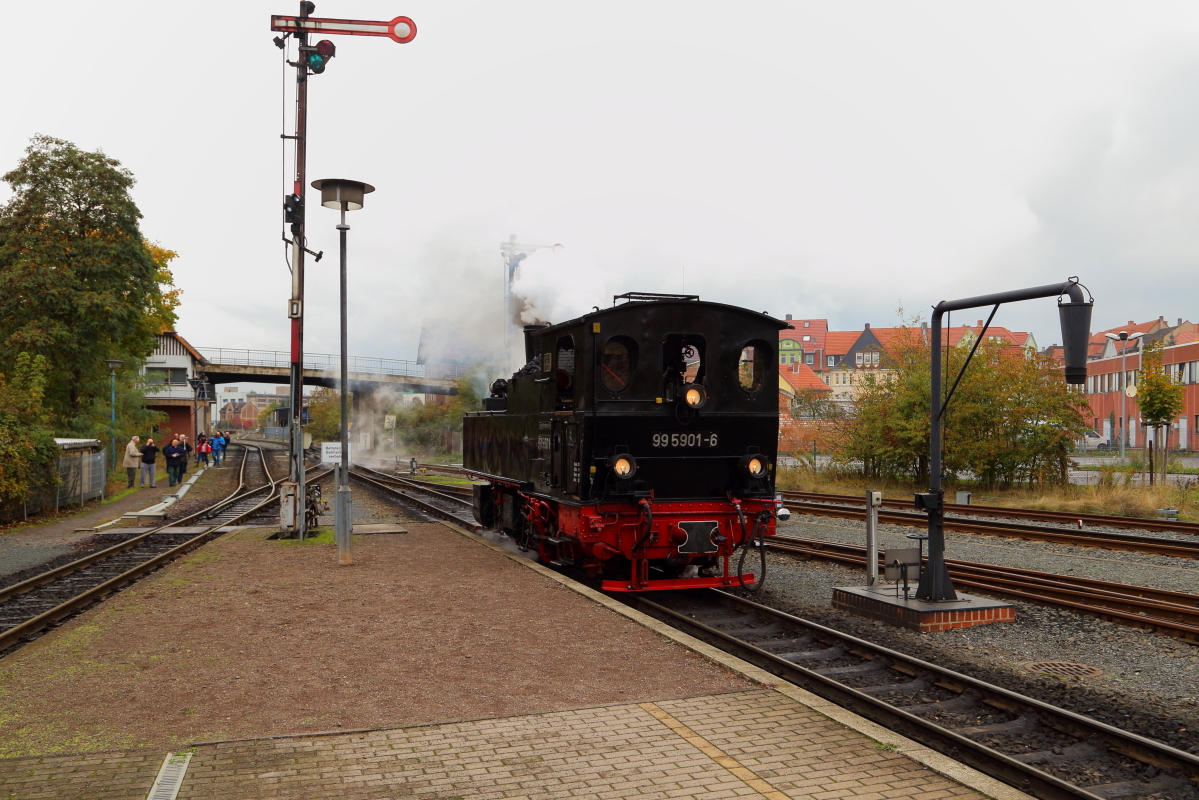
(751, 744)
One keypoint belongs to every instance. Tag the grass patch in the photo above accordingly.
(323, 536)
(1114, 494)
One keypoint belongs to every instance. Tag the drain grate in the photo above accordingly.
(170, 777)
(1063, 669)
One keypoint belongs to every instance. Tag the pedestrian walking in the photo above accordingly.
(218, 448)
(133, 457)
(187, 454)
(146, 466)
(173, 454)
(203, 448)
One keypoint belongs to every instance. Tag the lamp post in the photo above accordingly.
(343, 195)
(113, 365)
(1123, 337)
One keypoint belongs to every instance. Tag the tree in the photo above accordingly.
(324, 415)
(1011, 417)
(264, 416)
(78, 283)
(28, 454)
(1159, 396)
(424, 426)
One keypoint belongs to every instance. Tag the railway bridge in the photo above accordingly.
(225, 365)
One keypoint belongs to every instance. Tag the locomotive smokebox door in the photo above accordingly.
(699, 537)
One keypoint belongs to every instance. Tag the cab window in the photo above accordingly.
(683, 358)
(751, 366)
(618, 361)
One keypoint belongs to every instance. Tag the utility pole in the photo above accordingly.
(311, 59)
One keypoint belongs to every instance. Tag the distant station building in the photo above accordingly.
(170, 371)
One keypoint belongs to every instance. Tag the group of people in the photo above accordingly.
(141, 460)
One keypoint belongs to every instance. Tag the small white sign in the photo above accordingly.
(331, 453)
(389, 422)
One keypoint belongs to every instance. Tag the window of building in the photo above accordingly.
(874, 358)
(857, 359)
(809, 359)
(830, 360)
(807, 338)
(806, 324)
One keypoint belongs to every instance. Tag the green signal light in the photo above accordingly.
(319, 57)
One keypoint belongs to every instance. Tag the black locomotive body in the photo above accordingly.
(638, 442)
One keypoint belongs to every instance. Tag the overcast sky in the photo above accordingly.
(832, 160)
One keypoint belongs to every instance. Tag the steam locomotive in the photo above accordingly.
(638, 443)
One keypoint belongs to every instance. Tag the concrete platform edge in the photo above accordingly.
(937, 762)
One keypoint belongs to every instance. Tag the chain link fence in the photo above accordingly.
(81, 478)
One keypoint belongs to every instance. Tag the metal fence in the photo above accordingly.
(331, 363)
(81, 478)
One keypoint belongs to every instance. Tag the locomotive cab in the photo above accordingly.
(637, 443)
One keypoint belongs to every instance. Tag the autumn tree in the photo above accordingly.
(424, 426)
(1011, 417)
(1159, 396)
(28, 454)
(78, 282)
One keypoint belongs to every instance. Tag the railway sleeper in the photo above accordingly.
(772, 629)
(836, 651)
(1163, 782)
(1024, 723)
(873, 665)
(913, 686)
(965, 702)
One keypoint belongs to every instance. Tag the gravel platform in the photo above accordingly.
(1140, 569)
(1149, 683)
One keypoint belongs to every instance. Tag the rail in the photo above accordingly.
(893, 690)
(325, 362)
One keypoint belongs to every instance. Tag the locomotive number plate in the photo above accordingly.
(688, 439)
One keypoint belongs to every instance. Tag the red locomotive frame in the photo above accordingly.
(648, 533)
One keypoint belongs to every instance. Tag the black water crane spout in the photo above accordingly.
(1076, 334)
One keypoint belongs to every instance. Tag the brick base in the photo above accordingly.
(882, 604)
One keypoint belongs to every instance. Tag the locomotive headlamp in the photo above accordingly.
(623, 465)
(754, 466)
(694, 395)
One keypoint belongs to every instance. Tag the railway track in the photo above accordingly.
(1163, 611)
(29, 607)
(1179, 548)
(435, 502)
(1026, 514)
(1046, 751)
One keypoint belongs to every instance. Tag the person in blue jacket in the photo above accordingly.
(218, 448)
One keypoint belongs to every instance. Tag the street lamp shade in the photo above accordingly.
(113, 364)
(1136, 335)
(342, 194)
(1116, 336)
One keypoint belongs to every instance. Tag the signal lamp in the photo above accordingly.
(695, 395)
(754, 466)
(319, 56)
(623, 465)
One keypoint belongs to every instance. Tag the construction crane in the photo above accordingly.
(514, 253)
